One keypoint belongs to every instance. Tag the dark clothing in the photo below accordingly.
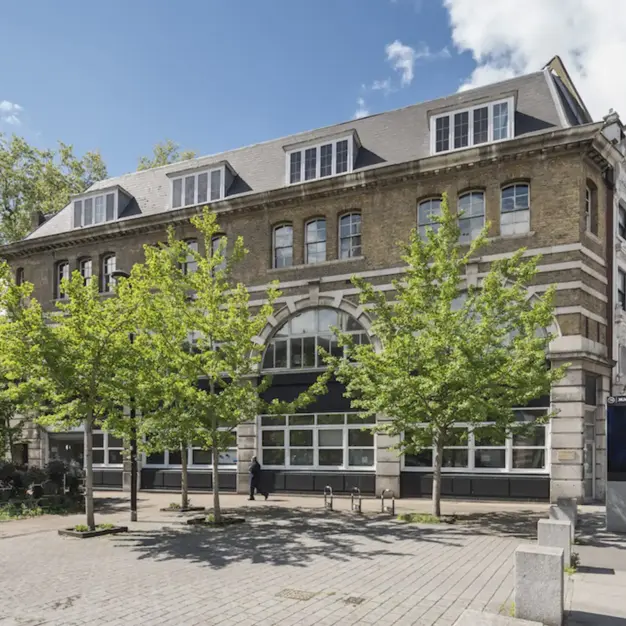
(255, 480)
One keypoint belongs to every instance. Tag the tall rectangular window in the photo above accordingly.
(108, 267)
(283, 246)
(177, 193)
(110, 207)
(442, 134)
(350, 236)
(515, 209)
(621, 221)
(86, 270)
(428, 211)
(500, 121)
(78, 213)
(190, 190)
(461, 129)
(315, 241)
(342, 156)
(621, 289)
(481, 125)
(88, 212)
(62, 273)
(98, 209)
(190, 265)
(216, 241)
(310, 163)
(216, 185)
(203, 187)
(591, 208)
(326, 160)
(472, 220)
(295, 163)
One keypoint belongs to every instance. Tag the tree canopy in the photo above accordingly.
(164, 153)
(451, 351)
(32, 179)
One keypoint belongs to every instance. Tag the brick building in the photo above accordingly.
(318, 207)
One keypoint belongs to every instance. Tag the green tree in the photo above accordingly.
(67, 365)
(450, 354)
(164, 153)
(198, 327)
(11, 425)
(34, 180)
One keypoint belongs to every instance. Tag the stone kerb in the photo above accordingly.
(539, 584)
(556, 534)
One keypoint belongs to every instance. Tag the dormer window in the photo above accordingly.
(197, 187)
(473, 126)
(95, 209)
(328, 158)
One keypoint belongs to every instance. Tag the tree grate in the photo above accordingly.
(296, 594)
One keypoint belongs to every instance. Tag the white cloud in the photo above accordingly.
(361, 110)
(506, 41)
(402, 59)
(10, 113)
(382, 85)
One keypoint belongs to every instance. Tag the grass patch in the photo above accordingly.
(419, 518)
(22, 510)
(83, 528)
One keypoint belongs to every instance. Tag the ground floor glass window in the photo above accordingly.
(318, 440)
(481, 448)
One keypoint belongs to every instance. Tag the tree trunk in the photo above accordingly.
(217, 512)
(91, 523)
(184, 483)
(437, 478)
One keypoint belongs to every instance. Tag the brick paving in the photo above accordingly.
(284, 566)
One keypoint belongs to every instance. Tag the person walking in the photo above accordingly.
(255, 479)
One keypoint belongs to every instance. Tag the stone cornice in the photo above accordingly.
(529, 146)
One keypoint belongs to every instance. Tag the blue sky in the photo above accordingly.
(212, 75)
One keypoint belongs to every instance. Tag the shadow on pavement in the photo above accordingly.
(592, 532)
(279, 536)
(521, 524)
(582, 618)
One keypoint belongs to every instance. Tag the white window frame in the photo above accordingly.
(82, 266)
(107, 281)
(432, 222)
(526, 210)
(92, 197)
(317, 147)
(316, 428)
(470, 192)
(508, 447)
(183, 175)
(106, 447)
(470, 110)
(362, 333)
(191, 466)
(350, 237)
(275, 248)
(59, 275)
(315, 220)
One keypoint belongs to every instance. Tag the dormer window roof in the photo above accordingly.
(203, 184)
(100, 206)
(321, 158)
(482, 123)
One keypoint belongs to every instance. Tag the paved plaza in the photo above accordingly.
(291, 563)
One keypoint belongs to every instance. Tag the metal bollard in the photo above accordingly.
(355, 500)
(328, 498)
(388, 509)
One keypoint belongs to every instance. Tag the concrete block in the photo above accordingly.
(556, 534)
(567, 470)
(470, 617)
(539, 584)
(616, 507)
(569, 507)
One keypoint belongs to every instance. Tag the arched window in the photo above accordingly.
(190, 265)
(215, 244)
(282, 246)
(591, 207)
(86, 270)
(295, 344)
(472, 220)
(350, 235)
(62, 271)
(427, 212)
(108, 267)
(515, 209)
(19, 276)
(315, 241)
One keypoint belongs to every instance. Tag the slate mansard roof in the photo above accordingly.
(543, 103)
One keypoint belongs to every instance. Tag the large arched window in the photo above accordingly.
(295, 344)
(515, 209)
(315, 240)
(350, 236)
(428, 211)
